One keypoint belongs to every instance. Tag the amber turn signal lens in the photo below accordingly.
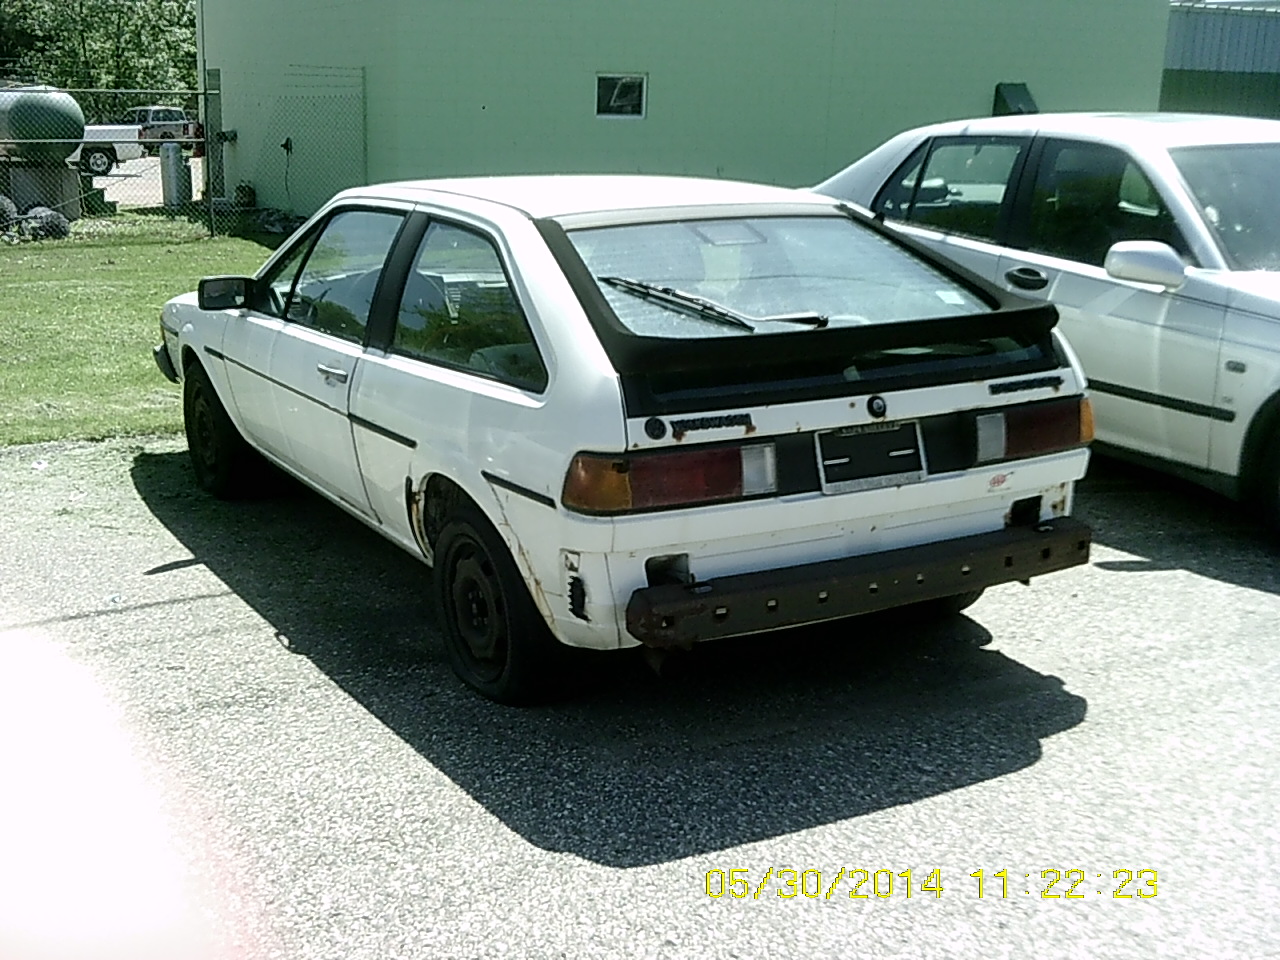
(603, 484)
(1086, 420)
(596, 484)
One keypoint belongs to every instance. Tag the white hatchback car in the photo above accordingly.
(1158, 238)
(622, 410)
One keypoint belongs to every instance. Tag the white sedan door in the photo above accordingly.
(250, 340)
(320, 345)
(1151, 355)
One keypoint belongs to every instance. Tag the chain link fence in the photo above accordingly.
(94, 161)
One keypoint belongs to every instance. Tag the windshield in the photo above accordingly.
(774, 271)
(1238, 188)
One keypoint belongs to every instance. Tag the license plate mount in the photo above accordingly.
(870, 456)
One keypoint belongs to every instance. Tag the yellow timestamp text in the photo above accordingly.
(864, 884)
(1072, 884)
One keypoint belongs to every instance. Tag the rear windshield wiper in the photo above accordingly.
(704, 308)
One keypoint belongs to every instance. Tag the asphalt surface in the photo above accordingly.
(228, 731)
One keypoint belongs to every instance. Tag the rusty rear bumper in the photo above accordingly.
(678, 614)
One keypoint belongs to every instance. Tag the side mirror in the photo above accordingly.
(224, 293)
(1146, 261)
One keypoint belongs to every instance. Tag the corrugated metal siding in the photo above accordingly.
(1230, 39)
(1219, 91)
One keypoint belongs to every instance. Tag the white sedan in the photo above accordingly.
(1158, 238)
(613, 411)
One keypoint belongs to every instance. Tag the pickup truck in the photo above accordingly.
(161, 123)
(106, 145)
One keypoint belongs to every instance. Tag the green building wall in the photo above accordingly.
(371, 90)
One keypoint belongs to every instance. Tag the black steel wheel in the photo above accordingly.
(218, 453)
(497, 641)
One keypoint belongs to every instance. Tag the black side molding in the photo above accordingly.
(383, 431)
(1160, 400)
(505, 484)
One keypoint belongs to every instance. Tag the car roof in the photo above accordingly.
(568, 195)
(1161, 129)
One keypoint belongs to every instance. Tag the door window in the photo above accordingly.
(335, 288)
(458, 309)
(275, 287)
(958, 186)
(1088, 196)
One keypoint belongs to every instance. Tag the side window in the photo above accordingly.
(458, 309)
(1088, 196)
(335, 288)
(273, 292)
(894, 199)
(958, 186)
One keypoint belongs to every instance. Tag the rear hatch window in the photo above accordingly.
(699, 314)
(763, 269)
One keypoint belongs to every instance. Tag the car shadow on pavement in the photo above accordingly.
(1172, 524)
(754, 738)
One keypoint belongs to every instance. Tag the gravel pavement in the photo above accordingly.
(229, 731)
(136, 183)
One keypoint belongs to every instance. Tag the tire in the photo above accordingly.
(42, 223)
(160, 140)
(97, 161)
(496, 639)
(219, 455)
(942, 607)
(1268, 488)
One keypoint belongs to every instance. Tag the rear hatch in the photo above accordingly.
(810, 349)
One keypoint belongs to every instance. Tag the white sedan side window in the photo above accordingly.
(1088, 196)
(959, 187)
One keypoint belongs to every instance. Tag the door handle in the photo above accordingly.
(1027, 278)
(332, 373)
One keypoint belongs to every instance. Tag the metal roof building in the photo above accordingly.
(1223, 57)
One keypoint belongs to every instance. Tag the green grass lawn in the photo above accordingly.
(78, 319)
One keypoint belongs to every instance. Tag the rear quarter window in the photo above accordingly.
(459, 310)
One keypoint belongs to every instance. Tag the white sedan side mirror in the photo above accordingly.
(1146, 261)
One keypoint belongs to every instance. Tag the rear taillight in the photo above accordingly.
(602, 484)
(1034, 430)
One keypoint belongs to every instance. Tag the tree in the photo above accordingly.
(80, 44)
(15, 40)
